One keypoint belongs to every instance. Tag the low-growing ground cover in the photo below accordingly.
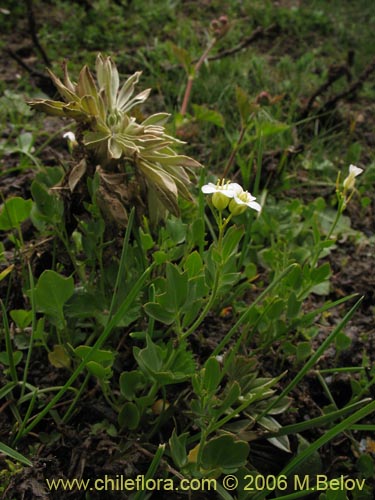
(186, 275)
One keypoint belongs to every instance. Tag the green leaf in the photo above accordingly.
(101, 356)
(158, 312)
(321, 288)
(15, 210)
(293, 307)
(342, 341)
(303, 351)
(244, 105)
(131, 382)
(99, 371)
(14, 455)
(230, 241)
(322, 273)
(204, 114)
(182, 55)
(212, 375)
(4, 358)
(129, 416)
(164, 363)
(198, 231)
(58, 357)
(365, 464)
(177, 286)
(177, 446)
(194, 265)
(21, 317)
(271, 128)
(25, 142)
(51, 293)
(100, 364)
(150, 358)
(146, 240)
(225, 453)
(231, 397)
(50, 207)
(295, 277)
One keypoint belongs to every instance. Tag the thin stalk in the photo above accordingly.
(121, 268)
(259, 165)
(232, 156)
(70, 410)
(33, 330)
(27, 416)
(191, 77)
(8, 345)
(340, 209)
(222, 225)
(152, 470)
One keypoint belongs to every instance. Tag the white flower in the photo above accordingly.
(70, 136)
(242, 201)
(350, 179)
(72, 141)
(222, 192)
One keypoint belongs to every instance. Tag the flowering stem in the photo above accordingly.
(207, 307)
(232, 156)
(222, 224)
(340, 209)
(191, 78)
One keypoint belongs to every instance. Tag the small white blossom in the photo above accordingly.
(242, 201)
(349, 182)
(221, 193)
(72, 141)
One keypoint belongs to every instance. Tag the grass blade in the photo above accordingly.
(14, 454)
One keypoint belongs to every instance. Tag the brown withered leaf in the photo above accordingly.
(76, 174)
(113, 196)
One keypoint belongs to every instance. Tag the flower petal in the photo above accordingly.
(254, 205)
(209, 188)
(355, 170)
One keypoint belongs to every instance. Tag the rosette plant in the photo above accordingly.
(136, 161)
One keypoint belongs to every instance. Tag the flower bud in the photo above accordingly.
(349, 182)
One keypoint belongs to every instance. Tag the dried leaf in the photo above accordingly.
(76, 174)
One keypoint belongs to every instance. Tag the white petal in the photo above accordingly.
(209, 188)
(70, 136)
(235, 188)
(355, 170)
(254, 205)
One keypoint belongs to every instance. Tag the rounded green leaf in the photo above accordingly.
(129, 416)
(14, 211)
(225, 453)
(51, 293)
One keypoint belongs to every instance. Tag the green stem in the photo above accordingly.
(234, 151)
(8, 344)
(191, 77)
(222, 225)
(340, 209)
(33, 329)
(70, 410)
